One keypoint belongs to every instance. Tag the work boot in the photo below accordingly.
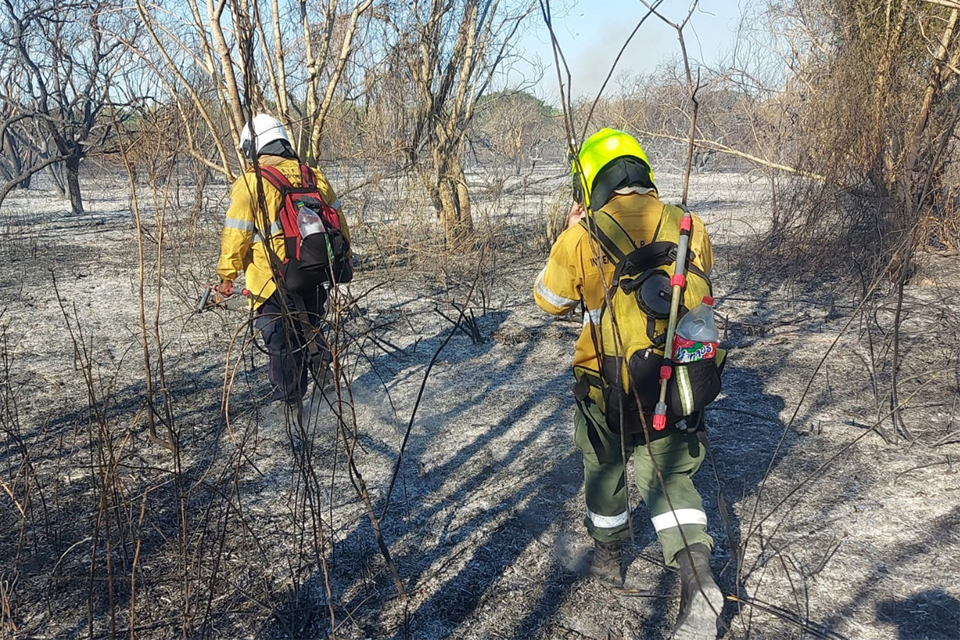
(605, 565)
(700, 604)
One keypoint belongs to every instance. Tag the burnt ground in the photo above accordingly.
(255, 528)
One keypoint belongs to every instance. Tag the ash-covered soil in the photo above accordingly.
(256, 527)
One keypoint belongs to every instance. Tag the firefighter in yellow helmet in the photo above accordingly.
(613, 176)
(244, 247)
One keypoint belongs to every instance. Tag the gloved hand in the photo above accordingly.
(225, 288)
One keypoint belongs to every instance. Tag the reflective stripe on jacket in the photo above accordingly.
(242, 244)
(573, 271)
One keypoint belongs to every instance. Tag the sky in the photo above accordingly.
(591, 33)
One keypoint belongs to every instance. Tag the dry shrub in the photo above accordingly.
(864, 119)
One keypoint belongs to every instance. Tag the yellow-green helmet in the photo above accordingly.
(597, 156)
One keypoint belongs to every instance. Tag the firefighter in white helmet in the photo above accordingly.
(253, 241)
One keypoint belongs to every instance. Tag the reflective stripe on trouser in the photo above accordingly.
(679, 457)
(283, 338)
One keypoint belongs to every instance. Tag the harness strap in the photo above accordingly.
(288, 221)
(308, 185)
(655, 254)
(306, 178)
(586, 377)
(670, 219)
(658, 254)
(614, 240)
(619, 247)
(276, 178)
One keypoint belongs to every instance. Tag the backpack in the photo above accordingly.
(632, 352)
(321, 257)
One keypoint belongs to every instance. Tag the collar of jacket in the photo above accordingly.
(627, 202)
(272, 161)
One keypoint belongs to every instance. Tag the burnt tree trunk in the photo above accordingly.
(452, 198)
(16, 155)
(71, 167)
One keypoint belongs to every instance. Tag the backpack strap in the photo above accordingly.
(276, 178)
(669, 230)
(308, 185)
(613, 239)
(307, 179)
(655, 254)
(669, 227)
(287, 215)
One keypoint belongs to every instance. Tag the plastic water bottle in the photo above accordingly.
(696, 336)
(309, 222)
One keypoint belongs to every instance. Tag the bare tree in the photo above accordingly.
(296, 60)
(453, 49)
(511, 124)
(17, 154)
(59, 69)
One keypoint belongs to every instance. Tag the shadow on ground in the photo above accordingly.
(929, 615)
(440, 525)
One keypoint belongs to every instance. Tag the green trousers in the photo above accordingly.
(678, 456)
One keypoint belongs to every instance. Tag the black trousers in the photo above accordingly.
(285, 334)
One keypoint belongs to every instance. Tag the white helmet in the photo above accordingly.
(266, 129)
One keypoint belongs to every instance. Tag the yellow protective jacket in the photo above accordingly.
(573, 272)
(241, 243)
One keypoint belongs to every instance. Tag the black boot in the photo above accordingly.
(700, 604)
(606, 562)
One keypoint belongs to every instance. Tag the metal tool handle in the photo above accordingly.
(207, 290)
